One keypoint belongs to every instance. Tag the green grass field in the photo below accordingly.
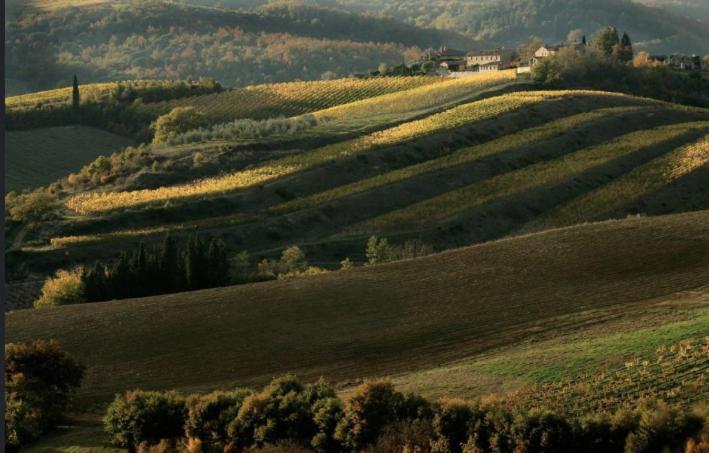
(393, 319)
(39, 157)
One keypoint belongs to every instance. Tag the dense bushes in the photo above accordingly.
(291, 264)
(595, 69)
(34, 206)
(138, 417)
(178, 121)
(244, 129)
(65, 288)
(380, 419)
(39, 379)
(379, 250)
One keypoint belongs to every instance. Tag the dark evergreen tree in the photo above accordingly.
(75, 96)
(218, 263)
(169, 266)
(625, 49)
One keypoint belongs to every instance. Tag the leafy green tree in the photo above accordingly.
(178, 121)
(372, 407)
(379, 251)
(39, 380)
(145, 417)
(210, 415)
(605, 40)
(35, 206)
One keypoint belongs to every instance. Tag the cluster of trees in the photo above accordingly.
(169, 268)
(493, 22)
(292, 263)
(39, 380)
(607, 63)
(147, 271)
(380, 251)
(177, 132)
(300, 417)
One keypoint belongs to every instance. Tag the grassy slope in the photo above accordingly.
(40, 156)
(391, 319)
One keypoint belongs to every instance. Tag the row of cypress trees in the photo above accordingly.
(168, 268)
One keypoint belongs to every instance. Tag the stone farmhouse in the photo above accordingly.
(456, 61)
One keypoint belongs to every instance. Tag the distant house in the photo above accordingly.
(677, 61)
(547, 51)
(489, 60)
(684, 62)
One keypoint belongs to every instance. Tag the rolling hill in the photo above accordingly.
(402, 317)
(39, 157)
(455, 173)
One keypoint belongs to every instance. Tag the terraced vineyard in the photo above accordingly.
(440, 208)
(291, 98)
(449, 119)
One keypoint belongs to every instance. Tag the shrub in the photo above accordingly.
(145, 417)
(178, 121)
(31, 207)
(39, 379)
(346, 264)
(379, 251)
(65, 288)
(543, 432)
(209, 416)
(291, 263)
(662, 428)
(372, 407)
(451, 423)
(281, 411)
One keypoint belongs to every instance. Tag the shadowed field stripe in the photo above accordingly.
(462, 156)
(451, 203)
(628, 188)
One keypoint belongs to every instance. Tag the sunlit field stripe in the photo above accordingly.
(633, 185)
(462, 156)
(98, 202)
(445, 206)
(291, 98)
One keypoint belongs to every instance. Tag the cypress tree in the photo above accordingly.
(218, 264)
(168, 266)
(625, 51)
(75, 96)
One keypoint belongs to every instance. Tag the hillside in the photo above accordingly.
(275, 44)
(511, 22)
(393, 318)
(39, 157)
(430, 163)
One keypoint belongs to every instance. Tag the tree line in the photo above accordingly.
(168, 268)
(288, 415)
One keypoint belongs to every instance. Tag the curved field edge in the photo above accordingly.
(390, 319)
